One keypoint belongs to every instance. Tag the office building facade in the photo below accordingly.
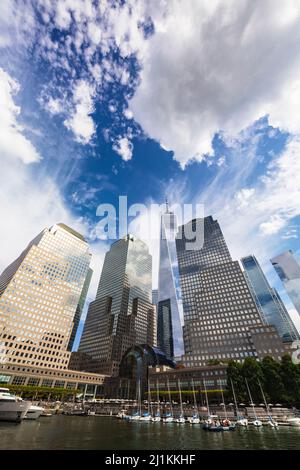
(288, 270)
(122, 314)
(39, 295)
(268, 300)
(218, 306)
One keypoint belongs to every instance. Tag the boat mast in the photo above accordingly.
(235, 402)
(252, 404)
(195, 401)
(206, 398)
(181, 409)
(223, 399)
(140, 398)
(171, 406)
(158, 402)
(149, 399)
(265, 401)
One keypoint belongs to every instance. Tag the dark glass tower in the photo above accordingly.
(169, 329)
(219, 311)
(122, 314)
(288, 270)
(79, 308)
(268, 300)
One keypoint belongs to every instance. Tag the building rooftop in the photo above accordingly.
(73, 232)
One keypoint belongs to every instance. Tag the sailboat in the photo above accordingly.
(136, 415)
(271, 421)
(146, 416)
(226, 424)
(256, 422)
(157, 418)
(212, 422)
(240, 420)
(181, 418)
(195, 418)
(168, 418)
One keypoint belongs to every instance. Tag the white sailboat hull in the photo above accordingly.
(294, 422)
(257, 423)
(180, 420)
(145, 418)
(194, 421)
(242, 422)
(34, 412)
(156, 419)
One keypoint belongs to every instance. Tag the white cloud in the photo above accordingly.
(218, 66)
(54, 106)
(273, 225)
(252, 218)
(295, 318)
(80, 122)
(128, 114)
(243, 197)
(13, 143)
(210, 66)
(28, 203)
(16, 24)
(124, 148)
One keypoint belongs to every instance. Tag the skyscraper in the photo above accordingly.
(39, 294)
(79, 308)
(288, 270)
(169, 330)
(220, 314)
(122, 314)
(268, 300)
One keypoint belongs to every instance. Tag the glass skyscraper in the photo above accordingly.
(79, 308)
(288, 270)
(268, 300)
(39, 295)
(169, 329)
(220, 315)
(122, 314)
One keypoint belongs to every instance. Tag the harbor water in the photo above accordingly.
(109, 433)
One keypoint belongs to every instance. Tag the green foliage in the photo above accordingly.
(280, 380)
(33, 392)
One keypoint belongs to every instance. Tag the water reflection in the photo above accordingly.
(67, 432)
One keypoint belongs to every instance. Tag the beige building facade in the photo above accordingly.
(39, 294)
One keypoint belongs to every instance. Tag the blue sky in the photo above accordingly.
(196, 100)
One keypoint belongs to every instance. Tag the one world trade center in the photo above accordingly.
(169, 329)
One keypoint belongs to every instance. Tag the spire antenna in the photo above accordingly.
(167, 205)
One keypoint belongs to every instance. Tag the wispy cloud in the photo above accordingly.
(216, 66)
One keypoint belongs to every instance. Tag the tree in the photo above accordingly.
(252, 371)
(272, 384)
(235, 374)
(290, 375)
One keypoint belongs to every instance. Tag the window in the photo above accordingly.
(18, 380)
(33, 381)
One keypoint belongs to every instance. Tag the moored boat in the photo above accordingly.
(168, 418)
(256, 422)
(194, 419)
(240, 420)
(294, 422)
(12, 408)
(34, 412)
(145, 417)
(180, 420)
